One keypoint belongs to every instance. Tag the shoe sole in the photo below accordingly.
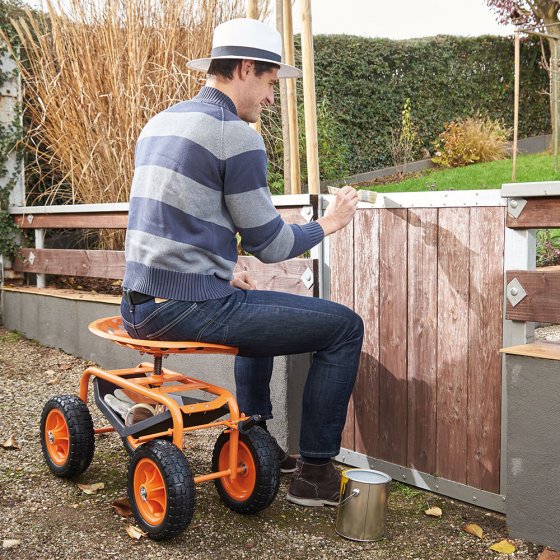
(310, 502)
(287, 471)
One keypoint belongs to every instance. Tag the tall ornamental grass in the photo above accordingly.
(96, 71)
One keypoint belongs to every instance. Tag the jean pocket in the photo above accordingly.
(163, 322)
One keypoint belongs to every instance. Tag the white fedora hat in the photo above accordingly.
(246, 38)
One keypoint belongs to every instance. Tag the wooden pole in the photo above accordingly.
(284, 102)
(515, 107)
(253, 12)
(291, 98)
(310, 103)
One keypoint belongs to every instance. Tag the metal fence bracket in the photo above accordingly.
(515, 292)
(307, 213)
(307, 278)
(515, 206)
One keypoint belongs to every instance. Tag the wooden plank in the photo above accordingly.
(392, 333)
(544, 350)
(293, 214)
(366, 288)
(113, 220)
(453, 345)
(72, 262)
(539, 212)
(342, 291)
(285, 276)
(422, 338)
(118, 220)
(485, 338)
(81, 295)
(542, 302)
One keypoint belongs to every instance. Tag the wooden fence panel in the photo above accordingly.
(366, 288)
(422, 338)
(342, 291)
(428, 283)
(485, 338)
(393, 336)
(453, 343)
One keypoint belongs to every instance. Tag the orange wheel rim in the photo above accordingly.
(57, 437)
(242, 487)
(149, 492)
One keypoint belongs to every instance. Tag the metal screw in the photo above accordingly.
(51, 437)
(513, 203)
(143, 493)
(474, 498)
(513, 291)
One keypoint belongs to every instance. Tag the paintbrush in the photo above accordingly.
(363, 196)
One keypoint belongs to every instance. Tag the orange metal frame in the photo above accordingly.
(148, 383)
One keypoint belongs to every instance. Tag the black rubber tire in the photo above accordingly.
(267, 475)
(179, 487)
(130, 450)
(81, 437)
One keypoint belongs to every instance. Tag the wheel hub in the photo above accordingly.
(143, 493)
(50, 436)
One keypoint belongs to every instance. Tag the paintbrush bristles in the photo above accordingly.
(363, 195)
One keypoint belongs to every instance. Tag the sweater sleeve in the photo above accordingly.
(263, 232)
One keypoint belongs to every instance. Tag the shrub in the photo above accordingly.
(471, 140)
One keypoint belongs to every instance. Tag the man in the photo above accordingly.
(200, 178)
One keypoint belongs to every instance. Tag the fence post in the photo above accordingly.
(519, 254)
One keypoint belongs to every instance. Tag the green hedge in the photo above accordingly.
(365, 82)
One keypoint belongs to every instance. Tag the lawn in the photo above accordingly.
(530, 168)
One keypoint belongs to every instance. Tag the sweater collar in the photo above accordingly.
(212, 95)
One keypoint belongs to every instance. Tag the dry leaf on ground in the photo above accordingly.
(121, 507)
(474, 529)
(53, 381)
(49, 372)
(548, 554)
(434, 512)
(10, 543)
(503, 547)
(91, 488)
(134, 532)
(64, 366)
(11, 443)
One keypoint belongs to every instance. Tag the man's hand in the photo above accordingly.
(243, 281)
(340, 211)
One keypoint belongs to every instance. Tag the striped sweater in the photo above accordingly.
(199, 179)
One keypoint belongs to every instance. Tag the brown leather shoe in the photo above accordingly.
(287, 462)
(315, 485)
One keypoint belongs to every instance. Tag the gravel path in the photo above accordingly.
(54, 519)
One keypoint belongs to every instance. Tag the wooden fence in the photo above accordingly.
(295, 275)
(426, 272)
(428, 280)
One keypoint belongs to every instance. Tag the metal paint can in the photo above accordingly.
(362, 509)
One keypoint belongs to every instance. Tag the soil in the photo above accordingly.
(53, 518)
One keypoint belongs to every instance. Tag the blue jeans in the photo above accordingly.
(263, 324)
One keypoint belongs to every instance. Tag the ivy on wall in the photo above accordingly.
(10, 138)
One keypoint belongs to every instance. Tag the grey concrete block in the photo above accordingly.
(62, 323)
(533, 449)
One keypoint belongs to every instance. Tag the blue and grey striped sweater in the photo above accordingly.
(200, 177)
